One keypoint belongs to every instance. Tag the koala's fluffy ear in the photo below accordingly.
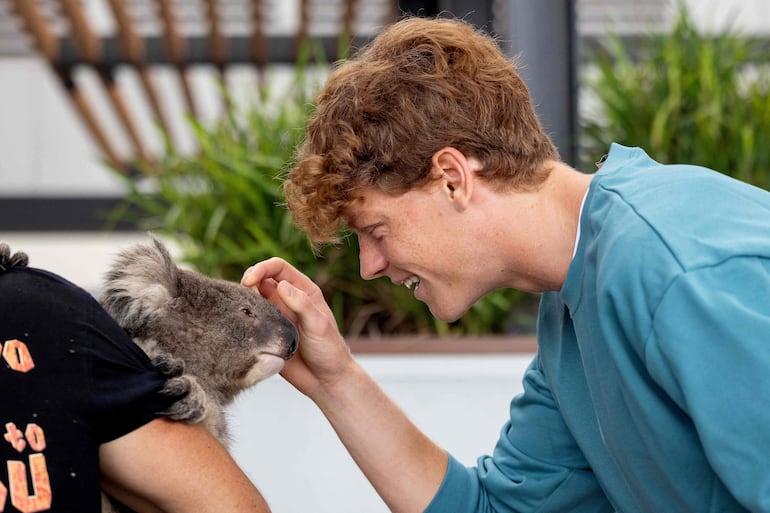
(8, 260)
(140, 284)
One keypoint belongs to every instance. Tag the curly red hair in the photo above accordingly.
(421, 85)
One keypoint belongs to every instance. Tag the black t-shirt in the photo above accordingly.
(70, 379)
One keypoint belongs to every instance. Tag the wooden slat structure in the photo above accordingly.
(108, 36)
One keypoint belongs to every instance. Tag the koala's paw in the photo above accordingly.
(191, 403)
(168, 365)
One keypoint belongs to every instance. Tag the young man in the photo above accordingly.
(645, 395)
(80, 412)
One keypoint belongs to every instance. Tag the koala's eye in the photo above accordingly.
(248, 312)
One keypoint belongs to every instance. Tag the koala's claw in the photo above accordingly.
(168, 365)
(179, 387)
(191, 405)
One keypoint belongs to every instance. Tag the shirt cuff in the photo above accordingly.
(459, 491)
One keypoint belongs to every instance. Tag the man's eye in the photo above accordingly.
(376, 233)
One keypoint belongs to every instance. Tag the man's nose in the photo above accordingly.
(372, 262)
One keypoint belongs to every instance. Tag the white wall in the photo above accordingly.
(44, 146)
(289, 450)
(747, 16)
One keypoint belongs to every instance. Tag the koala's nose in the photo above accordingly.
(293, 348)
(292, 339)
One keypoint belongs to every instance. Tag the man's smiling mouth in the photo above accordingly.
(412, 282)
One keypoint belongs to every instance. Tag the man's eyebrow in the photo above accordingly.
(356, 222)
(355, 225)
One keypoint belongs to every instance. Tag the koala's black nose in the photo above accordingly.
(292, 339)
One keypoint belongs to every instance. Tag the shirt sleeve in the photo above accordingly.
(536, 465)
(87, 370)
(125, 390)
(710, 350)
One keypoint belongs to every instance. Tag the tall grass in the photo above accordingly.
(684, 96)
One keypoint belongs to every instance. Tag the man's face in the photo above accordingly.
(419, 240)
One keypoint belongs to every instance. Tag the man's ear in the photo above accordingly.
(455, 173)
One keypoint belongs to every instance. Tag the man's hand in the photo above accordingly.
(404, 466)
(323, 356)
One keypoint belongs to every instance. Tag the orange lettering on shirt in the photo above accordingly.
(17, 480)
(3, 495)
(17, 355)
(15, 437)
(35, 437)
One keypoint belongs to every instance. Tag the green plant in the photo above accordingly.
(225, 207)
(685, 97)
(221, 204)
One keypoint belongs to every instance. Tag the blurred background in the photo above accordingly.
(179, 116)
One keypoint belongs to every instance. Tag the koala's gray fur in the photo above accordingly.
(213, 337)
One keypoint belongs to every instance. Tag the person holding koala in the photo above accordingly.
(653, 355)
(80, 412)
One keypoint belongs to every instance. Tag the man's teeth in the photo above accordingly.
(411, 282)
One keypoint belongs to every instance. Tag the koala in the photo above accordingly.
(212, 338)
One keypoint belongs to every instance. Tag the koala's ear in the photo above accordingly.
(8, 260)
(140, 284)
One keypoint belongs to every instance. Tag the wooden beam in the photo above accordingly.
(176, 49)
(87, 43)
(134, 51)
(217, 44)
(34, 23)
(89, 47)
(131, 43)
(279, 49)
(258, 42)
(83, 106)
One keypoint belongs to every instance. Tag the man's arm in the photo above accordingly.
(176, 467)
(404, 466)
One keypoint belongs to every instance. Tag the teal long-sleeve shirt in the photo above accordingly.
(650, 391)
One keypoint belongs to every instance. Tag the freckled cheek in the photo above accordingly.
(396, 250)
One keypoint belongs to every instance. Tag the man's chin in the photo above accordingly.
(451, 311)
(446, 315)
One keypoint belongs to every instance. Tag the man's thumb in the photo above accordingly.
(289, 294)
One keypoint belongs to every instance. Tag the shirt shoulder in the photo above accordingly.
(700, 216)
